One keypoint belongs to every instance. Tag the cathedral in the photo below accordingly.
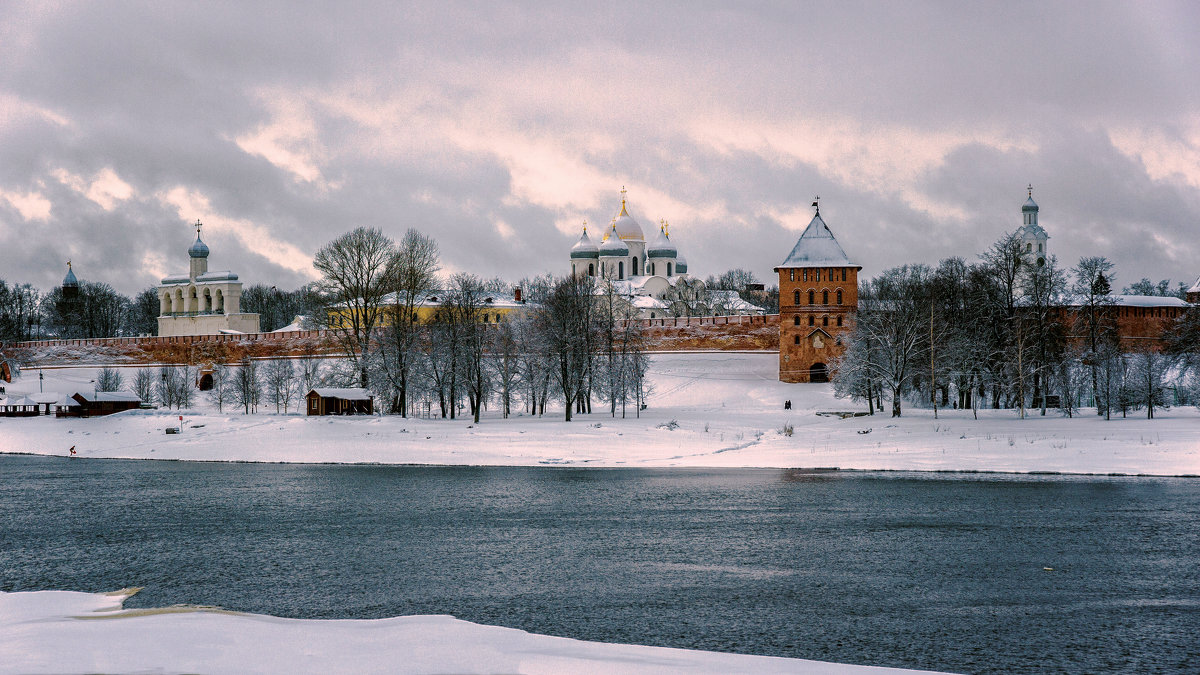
(202, 302)
(640, 270)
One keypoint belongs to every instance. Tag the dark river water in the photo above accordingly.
(937, 571)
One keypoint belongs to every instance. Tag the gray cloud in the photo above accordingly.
(918, 126)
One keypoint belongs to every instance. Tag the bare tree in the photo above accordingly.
(279, 382)
(1096, 323)
(564, 321)
(143, 384)
(247, 385)
(109, 379)
(354, 268)
(221, 392)
(310, 369)
(410, 277)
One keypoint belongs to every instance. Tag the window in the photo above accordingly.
(843, 275)
(811, 320)
(1028, 248)
(824, 297)
(668, 269)
(812, 297)
(796, 320)
(591, 270)
(839, 298)
(620, 269)
(824, 321)
(634, 266)
(1039, 248)
(791, 275)
(805, 275)
(651, 269)
(795, 297)
(796, 340)
(816, 275)
(839, 320)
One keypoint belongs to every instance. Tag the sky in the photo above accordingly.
(499, 128)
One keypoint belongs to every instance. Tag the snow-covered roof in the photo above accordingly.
(612, 244)
(296, 325)
(46, 397)
(646, 302)
(1130, 301)
(1195, 287)
(817, 248)
(101, 396)
(585, 248)
(23, 401)
(345, 393)
(221, 275)
(661, 246)
(735, 302)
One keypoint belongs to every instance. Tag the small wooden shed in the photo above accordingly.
(96, 403)
(21, 406)
(340, 401)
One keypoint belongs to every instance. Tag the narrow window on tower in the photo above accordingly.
(824, 297)
(796, 340)
(839, 296)
(796, 320)
(839, 320)
(843, 275)
(795, 297)
(812, 297)
(811, 320)
(791, 275)
(824, 321)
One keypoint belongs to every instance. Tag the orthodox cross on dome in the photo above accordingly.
(623, 211)
(585, 225)
(1031, 190)
(197, 226)
(68, 264)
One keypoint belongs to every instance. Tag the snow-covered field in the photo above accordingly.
(717, 409)
(68, 632)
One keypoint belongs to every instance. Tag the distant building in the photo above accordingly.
(818, 295)
(1033, 238)
(1193, 293)
(202, 302)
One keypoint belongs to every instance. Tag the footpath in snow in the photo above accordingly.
(706, 410)
(69, 632)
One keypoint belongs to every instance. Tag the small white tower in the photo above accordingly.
(1033, 237)
(585, 255)
(199, 256)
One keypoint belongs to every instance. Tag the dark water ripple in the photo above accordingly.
(913, 570)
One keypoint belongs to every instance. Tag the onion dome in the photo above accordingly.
(680, 265)
(1030, 206)
(626, 226)
(198, 249)
(584, 248)
(70, 281)
(661, 247)
(612, 244)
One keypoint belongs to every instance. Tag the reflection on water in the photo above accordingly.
(918, 570)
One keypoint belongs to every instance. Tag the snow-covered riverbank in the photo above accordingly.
(68, 632)
(707, 409)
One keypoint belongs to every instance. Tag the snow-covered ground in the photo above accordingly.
(68, 632)
(717, 409)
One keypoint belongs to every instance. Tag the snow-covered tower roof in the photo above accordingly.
(70, 281)
(585, 248)
(661, 246)
(817, 247)
(612, 244)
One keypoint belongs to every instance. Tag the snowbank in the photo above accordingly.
(707, 410)
(68, 632)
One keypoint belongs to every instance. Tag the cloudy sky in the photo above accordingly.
(499, 128)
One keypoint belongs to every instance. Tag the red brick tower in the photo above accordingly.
(818, 296)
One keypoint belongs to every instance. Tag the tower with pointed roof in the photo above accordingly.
(202, 302)
(818, 296)
(70, 285)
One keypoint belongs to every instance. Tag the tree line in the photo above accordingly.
(571, 343)
(1007, 332)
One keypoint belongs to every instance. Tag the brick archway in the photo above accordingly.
(817, 372)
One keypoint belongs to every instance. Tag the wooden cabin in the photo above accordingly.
(97, 403)
(340, 401)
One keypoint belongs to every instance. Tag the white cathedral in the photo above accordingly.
(202, 302)
(642, 272)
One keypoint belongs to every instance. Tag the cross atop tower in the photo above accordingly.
(198, 225)
(817, 204)
(1030, 190)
